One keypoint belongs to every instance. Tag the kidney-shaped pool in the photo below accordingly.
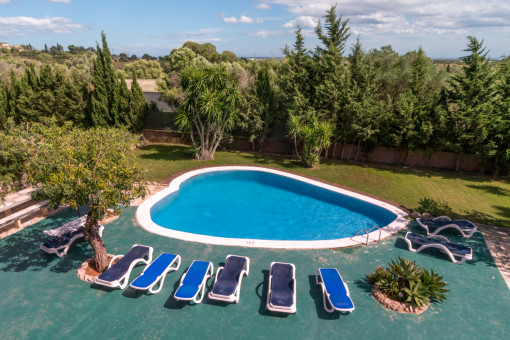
(260, 207)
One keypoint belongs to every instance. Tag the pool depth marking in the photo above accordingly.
(143, 216)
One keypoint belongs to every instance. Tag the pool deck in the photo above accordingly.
(41, 297)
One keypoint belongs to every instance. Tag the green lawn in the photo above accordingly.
(475, 197)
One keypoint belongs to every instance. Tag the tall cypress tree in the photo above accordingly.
(99, 113)
(472, 97)
(138, 105)
(112, 84)
(124, 102)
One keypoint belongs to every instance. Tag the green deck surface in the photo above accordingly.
(41, 297)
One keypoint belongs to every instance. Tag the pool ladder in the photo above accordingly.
(368, 232)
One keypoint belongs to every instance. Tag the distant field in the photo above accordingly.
(475, 197)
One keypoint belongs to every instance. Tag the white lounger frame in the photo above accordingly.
(62, 250)
(122, 282)
(281, 309)
(235, 296)
(199, 296)
(441, 248)
(463, 232)
(326, 295)
(161, 277)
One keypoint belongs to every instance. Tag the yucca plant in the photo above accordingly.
(417, 295)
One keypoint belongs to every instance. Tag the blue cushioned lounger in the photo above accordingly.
(227, 285)
(281, 295)
(117, 275)
(334, 290)
(60, 245)
(193, 282)
(435, 226)
(156, 272)
(442, 243)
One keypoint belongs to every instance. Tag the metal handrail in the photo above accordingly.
(375, 226)
(359, 231)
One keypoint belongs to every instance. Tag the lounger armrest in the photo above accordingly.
(442, 218)
(440, 237)
(100, 229)
(113, 259)
(218, 273)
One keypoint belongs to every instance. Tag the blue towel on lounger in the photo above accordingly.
(119, 269)
(282, 292)
(154, 270)
(194, 277)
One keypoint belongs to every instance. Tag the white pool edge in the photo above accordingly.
(143, 216)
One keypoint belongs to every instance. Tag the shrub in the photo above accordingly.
(435, 208)
(406, 281)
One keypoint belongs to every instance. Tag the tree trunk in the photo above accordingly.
(357, 150)
(457, 163)
(96, 242)
(407, 158)
(343, 149)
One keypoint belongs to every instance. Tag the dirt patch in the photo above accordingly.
(401, 307)
(87, 271)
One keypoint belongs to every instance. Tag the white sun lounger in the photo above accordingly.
(334, 290)
(227, 285)
(193, 282)
(61, 245)
(281, 295)
(443, 244)
(435, 226)
(156, 272)
(117, 275)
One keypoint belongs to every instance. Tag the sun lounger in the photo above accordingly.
(435, 226)
(193, 282)
(156, 272)
(67, 227)
(334, 290)
(117, 275)
(281, 295)
(439, 242)
(60, 245)
(227, 285)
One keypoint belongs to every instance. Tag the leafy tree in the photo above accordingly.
(87, 167)
(471, 104)
(144, 69)
(209, 107)
(501, 131)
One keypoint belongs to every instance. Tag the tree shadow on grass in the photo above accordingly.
(20, 251)
(166, 152)
(491, 189)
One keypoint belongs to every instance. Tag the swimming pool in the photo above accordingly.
(262, 207)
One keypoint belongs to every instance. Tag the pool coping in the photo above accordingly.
(144, 220)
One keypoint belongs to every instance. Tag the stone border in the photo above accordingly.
(144, 218)
(401, 307)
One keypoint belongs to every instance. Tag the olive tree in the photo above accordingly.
(92, 168)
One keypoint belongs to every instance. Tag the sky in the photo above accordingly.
(255, 28)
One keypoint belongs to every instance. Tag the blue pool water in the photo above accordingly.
(264, 206)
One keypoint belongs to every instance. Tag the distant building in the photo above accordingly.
(6, 45)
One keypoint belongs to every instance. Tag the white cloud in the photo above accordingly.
(303, 21)
(243, 19)
(5, 2)
(266, 33)
(263, 6)
(20, 26)
(61, 1)
(434, 17)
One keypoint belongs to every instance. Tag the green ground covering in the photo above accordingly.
(475, 197)
(41, 298)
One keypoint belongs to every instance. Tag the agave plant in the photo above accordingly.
(434, 284)
(405, 271)
(417, 295)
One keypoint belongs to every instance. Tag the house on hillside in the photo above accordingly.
(3, 44)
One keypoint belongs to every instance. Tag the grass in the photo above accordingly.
(471, 196)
